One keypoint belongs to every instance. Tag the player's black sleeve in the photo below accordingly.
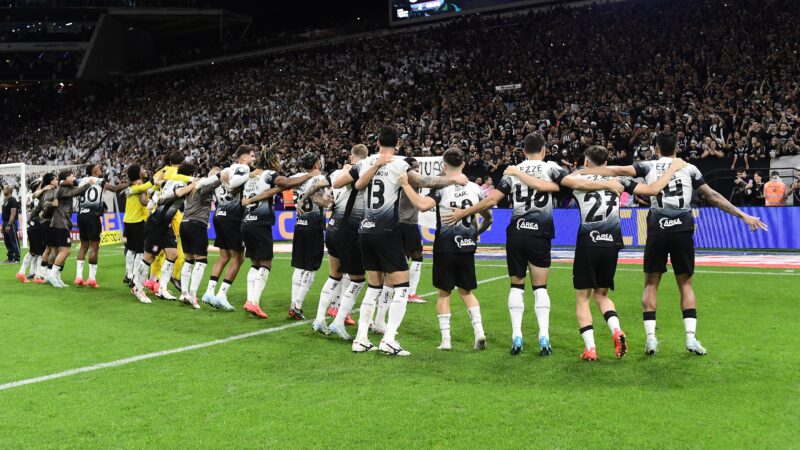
(505, 185)
(354, 173)
(434, 194)
(641, 169)
(629, 184)
(557, 174)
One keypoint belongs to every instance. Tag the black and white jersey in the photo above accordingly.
(260, 211)
(91, 202)
(168, 204)
(348, 205)
(671, 209)
(462, 236)
(313, 215)
(382, 197)
(600, 214)
(532, 210)
(229, 203)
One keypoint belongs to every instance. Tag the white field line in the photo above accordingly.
(133, 359)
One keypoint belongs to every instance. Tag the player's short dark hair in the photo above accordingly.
(243, 150)
(187, 168)
(359, 150)
(90, 169)
(453, 157)
(597, 154)
(410, 161)
(534, 143)
(308, 160)
(134, 172)
(64, 174)
(666, 142)
(47, 179)
(387, 136)
(174, 157)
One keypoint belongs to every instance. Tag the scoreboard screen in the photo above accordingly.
(411, 10)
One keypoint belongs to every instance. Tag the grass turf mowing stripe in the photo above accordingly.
(133, 359)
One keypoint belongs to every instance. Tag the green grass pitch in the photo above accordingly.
(295, 389)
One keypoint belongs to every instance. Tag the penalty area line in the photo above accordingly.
(188, 348)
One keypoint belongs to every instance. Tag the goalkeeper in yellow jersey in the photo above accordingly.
(169, 173)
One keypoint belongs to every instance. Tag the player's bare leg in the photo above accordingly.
(584, 315)
(689, 310)
(649, 302)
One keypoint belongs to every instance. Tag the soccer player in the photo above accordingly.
(344, 254)
(228, 229)
(61, 223)
(381, 242)
(259, 217)
(194, 229)
(670, 230)
(136, 214)
(528, 236)
(308, 245)
(598, 243)
(160, 235)
(33, 259)
(47, 201)
(412, 241)
(454, 246)
(91, 207)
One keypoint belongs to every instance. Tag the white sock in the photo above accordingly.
(130, 257)
(252, 274)
(212, 285)
(349, 298)
(588, 337)
(397, 310)
(414, 273)
(140, 271)
(297, 280)
(79, 270)
(197, 277)
(223, 289)
(136, 262)
(444, 327)
(36, 262)
(367, 307)
(336, 299)
(166, 273)
(331, 285)
(516, 307)
(26, 261)
(262, 275)
(383, 306)
(57, 271)
(305, 285)
(690, 324)
(542, 307)
(92, 271)
(186, 276)
(650, 326)
(41, 272)
(613, 322)
(477, 321)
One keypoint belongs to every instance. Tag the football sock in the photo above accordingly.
(57, 271)
(612, 320)
(690, 323)
(383, 306)
(79, 270)
(349, 298)
(477, 322)
(36, 262)
(140, 272)
(197, 277)
(223, 288)
(186, 275)
(166, 273)
(305, 286)
(649, 324)
(331, 285)
(42, 271)
(397, 310)
(542, 307)
(336, 294)
(444, 327)
(130, 257)
(92, 271)
(516, 307)
(262, 275)
(212, 284)
(297, 282)
(251, 285)
(587, 333)
(414, 274)
(136, 261)
(367, 308)
(26, 261)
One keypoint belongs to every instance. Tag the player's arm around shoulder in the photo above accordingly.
(662, 182)
(421, 203)
(530, 180)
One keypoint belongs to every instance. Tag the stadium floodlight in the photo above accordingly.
(22, 172)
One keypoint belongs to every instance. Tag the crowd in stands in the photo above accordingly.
(725, 76)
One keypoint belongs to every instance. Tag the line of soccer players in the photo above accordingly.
(372, 232)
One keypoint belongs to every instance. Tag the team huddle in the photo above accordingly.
(372, 234)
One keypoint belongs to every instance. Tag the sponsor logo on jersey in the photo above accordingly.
(332, 222)
(669, 223)
(250, 217)
(367, 224)
(301, 222)
(601, 237)
(84, 211)
(525, 225)
(464, 242)
(221, 213)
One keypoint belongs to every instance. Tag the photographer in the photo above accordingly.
(757, 191)
(742, 188)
